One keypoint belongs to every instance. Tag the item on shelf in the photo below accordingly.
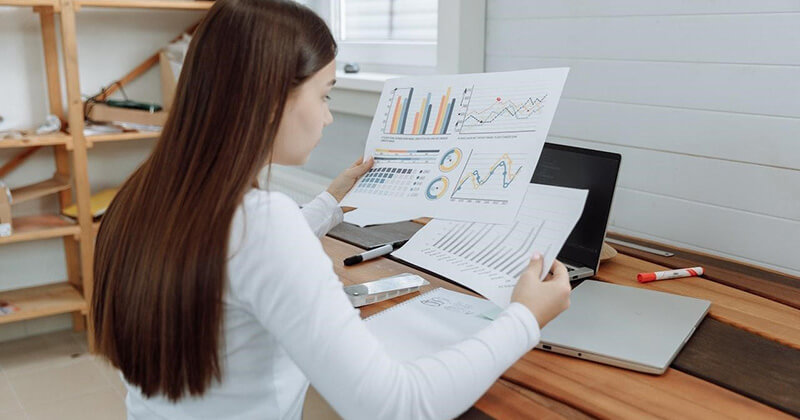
(127, 126)
(176, 51)
(12, 134)
(129, 104)
(51, 125)
(7, 308)
(5, 210)
(169, 78)
(91, 129)
(99, 108)
(101, 112)
(171, 62)
(98, 202)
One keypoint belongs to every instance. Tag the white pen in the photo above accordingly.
(374, 252)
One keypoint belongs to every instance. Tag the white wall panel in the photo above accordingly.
(738, 38)
(702, 99)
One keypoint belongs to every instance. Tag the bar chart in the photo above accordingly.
(413, 112)
(486, 249)
(489, 258)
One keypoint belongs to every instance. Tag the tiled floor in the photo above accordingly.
(53, 376)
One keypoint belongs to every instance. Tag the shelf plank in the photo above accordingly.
(39, 189)
(28, 3)
(43, 140)
(148, 4)
(40, 301)
(133, 135)
(31, 228)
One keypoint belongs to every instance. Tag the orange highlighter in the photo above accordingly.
(670, 274)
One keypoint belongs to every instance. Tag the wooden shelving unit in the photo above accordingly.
(40, 189)
(31, 3)
(58, 139)
(46, 226)
(147, 4)
(35, 302)
(136, 135)
(71, 179)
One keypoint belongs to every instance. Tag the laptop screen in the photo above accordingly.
(593, 170)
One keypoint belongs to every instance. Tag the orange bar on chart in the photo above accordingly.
(393, 127)
(421, 113)
(438, 126)
(416, 123)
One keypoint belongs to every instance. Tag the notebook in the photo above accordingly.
(98, 202)
(429, 322)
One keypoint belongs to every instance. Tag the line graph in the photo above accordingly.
(487, 111)
(486, 176)
(501, 107)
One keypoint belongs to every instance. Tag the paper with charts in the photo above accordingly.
(489, 258)
(460, 147)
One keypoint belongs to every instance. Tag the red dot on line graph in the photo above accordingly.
(498, 99)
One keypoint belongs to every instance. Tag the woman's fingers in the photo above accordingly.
(559, 270)
(535, 266)
(362, 167)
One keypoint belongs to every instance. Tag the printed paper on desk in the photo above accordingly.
(459, 147)
(489, 258)
(429, 322)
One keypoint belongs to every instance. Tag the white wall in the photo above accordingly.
(701, 98)
(110, 43)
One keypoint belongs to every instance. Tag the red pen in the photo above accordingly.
(669, 274)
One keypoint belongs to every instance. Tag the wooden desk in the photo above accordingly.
(711, 378)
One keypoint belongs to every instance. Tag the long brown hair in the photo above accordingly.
(160, 264)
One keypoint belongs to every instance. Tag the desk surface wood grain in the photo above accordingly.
(775, 286)
(590, 388)
(730, 305)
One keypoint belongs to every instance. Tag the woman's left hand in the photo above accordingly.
(345, 181)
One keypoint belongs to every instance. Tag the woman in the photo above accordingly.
(216, 300)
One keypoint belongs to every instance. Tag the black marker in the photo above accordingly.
(374, 253)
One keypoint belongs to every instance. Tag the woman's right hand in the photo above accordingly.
(544, 298)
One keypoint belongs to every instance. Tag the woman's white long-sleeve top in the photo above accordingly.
(288, 322)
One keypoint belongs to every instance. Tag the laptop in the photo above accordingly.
(628, 327)
(623, 326)
(593, 170)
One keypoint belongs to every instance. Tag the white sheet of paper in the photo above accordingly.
(368, 217)
(460, 147)
(489, 258)
(428, 323)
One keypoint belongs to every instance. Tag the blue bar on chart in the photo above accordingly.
(404, 113)
(424, 126)
(448, 114)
